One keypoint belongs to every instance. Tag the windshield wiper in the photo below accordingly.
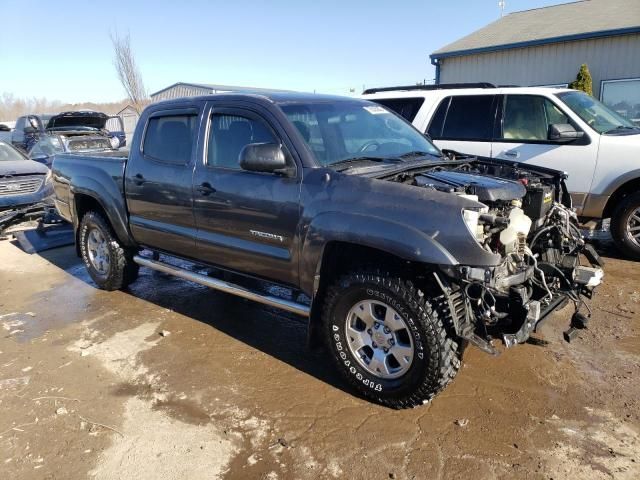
(365, 158)
(418, 153)
(620, 128)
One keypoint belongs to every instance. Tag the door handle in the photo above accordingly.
(206, 189)
(138, 179)
(512, 154)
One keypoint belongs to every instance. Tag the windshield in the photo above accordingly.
(344, 130)
(598, 116)
(9, 154)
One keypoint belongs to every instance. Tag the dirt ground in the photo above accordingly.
(170, 380)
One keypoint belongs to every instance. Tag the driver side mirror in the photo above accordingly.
(563, 133)
(264, 157)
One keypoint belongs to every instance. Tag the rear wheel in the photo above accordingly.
(109, 264)
(387, 340)
(625, 226)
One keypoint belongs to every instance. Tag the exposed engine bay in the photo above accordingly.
(527, 219)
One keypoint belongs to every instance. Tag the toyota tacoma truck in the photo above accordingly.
(397, 255)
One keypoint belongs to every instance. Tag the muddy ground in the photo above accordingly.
(170, 380)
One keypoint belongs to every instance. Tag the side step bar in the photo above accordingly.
(217, 284)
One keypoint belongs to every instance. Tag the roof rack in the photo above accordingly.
(440, 86)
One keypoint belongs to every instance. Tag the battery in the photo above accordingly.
(538, 201)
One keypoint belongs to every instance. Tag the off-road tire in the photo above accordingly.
(122, 269)
(619, 220)
(437, 354)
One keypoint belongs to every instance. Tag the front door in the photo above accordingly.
(247, 221)
(524, 138)
(158, 182)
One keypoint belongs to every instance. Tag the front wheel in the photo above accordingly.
(109, 264)
(625, 226)
(387, 340)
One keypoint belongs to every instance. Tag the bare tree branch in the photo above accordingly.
(128, 72)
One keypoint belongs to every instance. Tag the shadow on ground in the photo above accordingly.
(271, 331)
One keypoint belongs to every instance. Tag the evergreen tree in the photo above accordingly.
(583, 80)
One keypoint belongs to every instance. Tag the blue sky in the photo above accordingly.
(62, 50)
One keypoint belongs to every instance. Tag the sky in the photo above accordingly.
(62, 50)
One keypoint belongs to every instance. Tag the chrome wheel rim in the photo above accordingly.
(98, 251)
(633, 226)
(379, 339)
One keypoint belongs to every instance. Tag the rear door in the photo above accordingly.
(247, 221)
(523, 137)
(158, 181)
(464, 124)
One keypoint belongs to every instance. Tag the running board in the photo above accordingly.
(217, 284)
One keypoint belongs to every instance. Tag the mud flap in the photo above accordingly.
(45, 238)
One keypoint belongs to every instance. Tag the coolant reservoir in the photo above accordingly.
(519, 226)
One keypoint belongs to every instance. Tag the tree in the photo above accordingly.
(128, 72)
(583, 80)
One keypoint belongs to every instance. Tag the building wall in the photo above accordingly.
(179, 91)
(608, 58)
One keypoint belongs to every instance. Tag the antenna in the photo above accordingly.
(501, 5)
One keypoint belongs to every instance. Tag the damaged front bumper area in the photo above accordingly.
(541, 273)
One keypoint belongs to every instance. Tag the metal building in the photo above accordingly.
(182, 89)
(546, 46)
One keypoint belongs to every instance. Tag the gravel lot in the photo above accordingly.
(170, 380)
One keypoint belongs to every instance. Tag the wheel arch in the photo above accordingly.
(620, 192)
(84, 202)
(339, 257)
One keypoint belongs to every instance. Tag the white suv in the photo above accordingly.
(553, 127)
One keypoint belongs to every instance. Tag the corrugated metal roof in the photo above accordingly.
(217, 88)
(569, 21)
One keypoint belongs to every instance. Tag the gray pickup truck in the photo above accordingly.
(402, 254)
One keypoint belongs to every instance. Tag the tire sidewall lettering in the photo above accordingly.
(345, 355)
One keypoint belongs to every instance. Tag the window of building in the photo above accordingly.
(469, 117)
(170, 138)
(623, 97)
(407, 107)
(230, 134)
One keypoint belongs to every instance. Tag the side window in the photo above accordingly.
(554, 114)
(406, 107)
(229, 134)
(469, 117)
(36, 150)
(437, 122)
(50, 146)
(527, 117)
(309, 127)
(170, 138)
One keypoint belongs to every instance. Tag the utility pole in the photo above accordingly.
(501, 5)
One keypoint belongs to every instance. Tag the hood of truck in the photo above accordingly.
(75, 120)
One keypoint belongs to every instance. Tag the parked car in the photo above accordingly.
(31, 128)
(25, 187)
(405, 254)
(51, 144)
(5, 133)
(27, 130)
(551, 127)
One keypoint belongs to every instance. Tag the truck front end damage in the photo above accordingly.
(526, 217)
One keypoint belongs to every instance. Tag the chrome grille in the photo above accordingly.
(20, 185)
